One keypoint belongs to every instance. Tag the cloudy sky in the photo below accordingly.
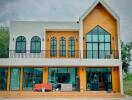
(42, 10)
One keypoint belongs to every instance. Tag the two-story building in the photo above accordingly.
(85, 54)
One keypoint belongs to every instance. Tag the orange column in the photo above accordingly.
(45, 74)
(115, 80)
(21, 78)
(8, 79)
(82, 74)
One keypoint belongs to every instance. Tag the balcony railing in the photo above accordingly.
(45, 54)
(87, 54)
(100, 54)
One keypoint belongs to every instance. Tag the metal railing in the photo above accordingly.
(45, 54)
(100, 54)
(87, 54)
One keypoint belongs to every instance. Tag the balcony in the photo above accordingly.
(100, 54)
(87, 54)
(45, 54)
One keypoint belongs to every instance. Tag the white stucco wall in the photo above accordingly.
(30, 29)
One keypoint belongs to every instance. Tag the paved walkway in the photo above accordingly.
(81, 98)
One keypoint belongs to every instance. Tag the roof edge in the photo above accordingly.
(105, 5)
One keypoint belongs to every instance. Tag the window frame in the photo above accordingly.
(71, 45)
(98, 42)
(53, 44)
(35, 41)
(20, 41)
(62, 47)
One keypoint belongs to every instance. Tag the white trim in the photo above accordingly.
(103, 4)
(50, 29)
(120, 58)
(81, 39)
(59, 62)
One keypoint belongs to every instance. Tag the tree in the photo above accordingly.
(4, 42)
(126, 55)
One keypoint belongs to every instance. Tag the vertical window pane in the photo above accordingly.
(15, 79)
(95, 46)
(101, 50)
(107, 46)
(3, 78)
(35, 44)
(89, 50)
(89, 37)
(62, 47)
(32, 76)
(101, 38)
(21, 44)
(107, 38)
(95, 38)
(89, 46)
(53, 47)
(71, 47)
(107, 49)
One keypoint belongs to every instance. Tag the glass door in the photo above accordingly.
(99, 79)
(15, 79)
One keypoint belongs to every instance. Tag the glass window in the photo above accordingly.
(99, 79)
(99, 44)
(61, 75)
(95, 38)
(101, 50)
(3, 78)
(15, 79)
(35, 44)
(71, 51)
(89, 37)
(62, 47)
(107, 38)
(53, 47)
(101, 38)
(32, 76)
(21, 44)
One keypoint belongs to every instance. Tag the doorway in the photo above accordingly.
(99, 79)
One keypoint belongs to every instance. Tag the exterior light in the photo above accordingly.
(83, 38)
(45, 69)
(113, 38)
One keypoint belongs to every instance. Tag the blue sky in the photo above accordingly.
(43, 10)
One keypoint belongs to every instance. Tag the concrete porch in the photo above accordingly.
(32, 94)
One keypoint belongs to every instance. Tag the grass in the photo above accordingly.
(127, 82)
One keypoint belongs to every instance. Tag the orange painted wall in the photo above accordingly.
(58, 35)
(8, 79)
(45, 74)
(21, 78)
(99, 16)
(81, 71)
(115, 80)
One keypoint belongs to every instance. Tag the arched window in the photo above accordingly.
(98, 43)
(21, 44)
(71, 47)
(35, 44)
(53, 47)
(62, 47)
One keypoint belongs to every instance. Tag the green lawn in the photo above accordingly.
(128, 84)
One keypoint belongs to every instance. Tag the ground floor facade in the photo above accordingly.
(83, 78)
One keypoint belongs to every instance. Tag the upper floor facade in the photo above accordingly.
(96, 35)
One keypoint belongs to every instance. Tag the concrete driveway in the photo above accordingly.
(80, 98)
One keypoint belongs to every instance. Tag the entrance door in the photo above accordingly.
(99, 79)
